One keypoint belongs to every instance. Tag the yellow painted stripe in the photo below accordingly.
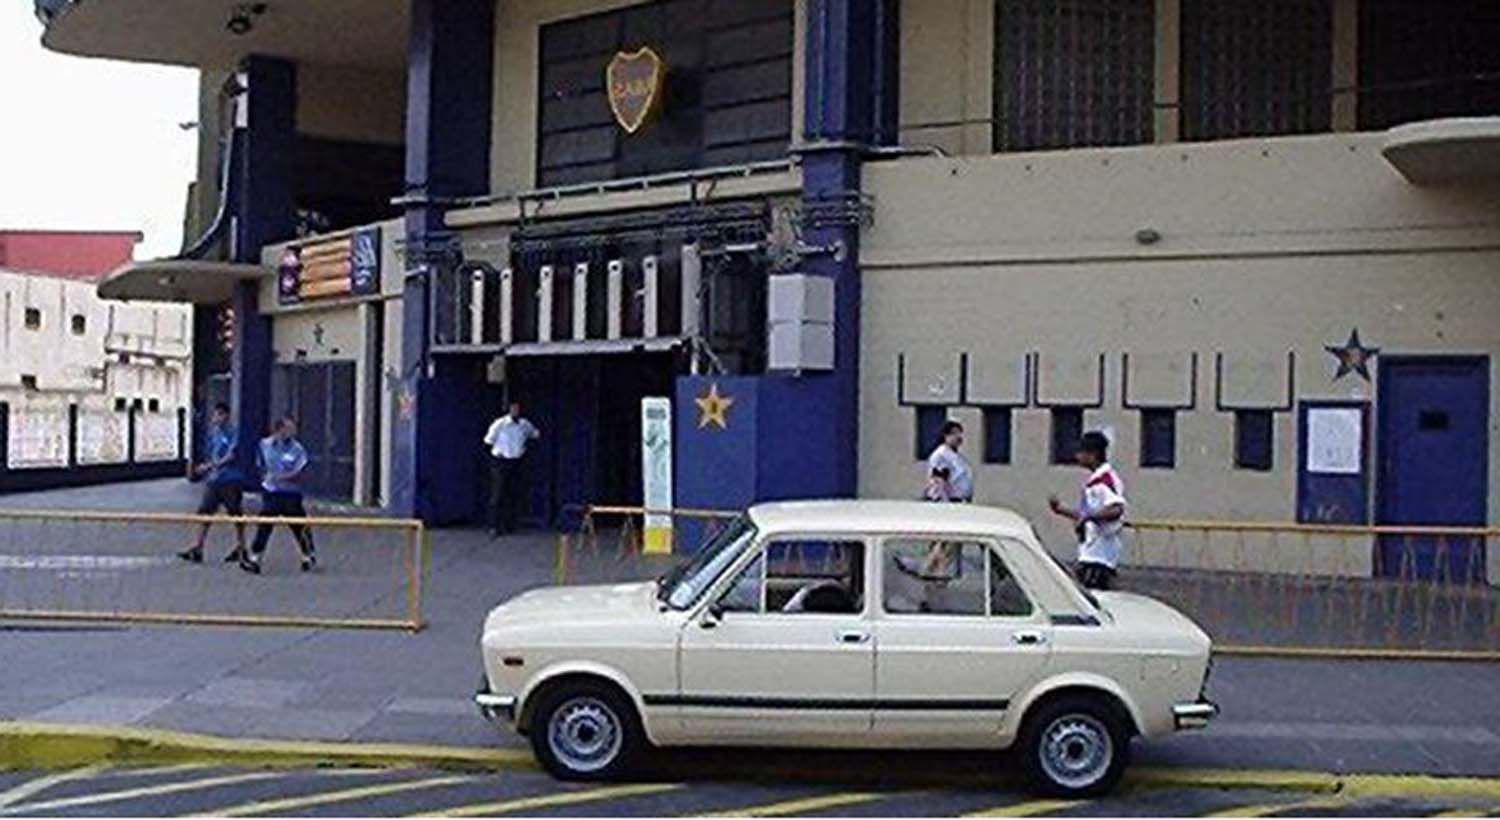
(286, 805)
(1030, 808)
(1272, 809)
(790, 808)
(142, 791)
(549, 800)
(16, 794)
(1466, 813)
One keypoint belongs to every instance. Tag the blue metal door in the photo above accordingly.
(1434, 462)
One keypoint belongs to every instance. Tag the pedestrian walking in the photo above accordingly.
(1100, 516)
(507, 439)
(283, 461)
(223, 485)
(949, 476)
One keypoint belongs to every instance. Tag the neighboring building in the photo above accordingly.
(87, 255)
(90, 389)
(1257, 241)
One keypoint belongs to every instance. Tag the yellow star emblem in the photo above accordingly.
(713, 408)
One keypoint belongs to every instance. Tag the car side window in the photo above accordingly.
(1007, 599)
(925, 576)
(801, 576)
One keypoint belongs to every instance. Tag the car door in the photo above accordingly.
(958, 638)
(786, 654)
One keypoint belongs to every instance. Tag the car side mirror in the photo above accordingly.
(712, 615)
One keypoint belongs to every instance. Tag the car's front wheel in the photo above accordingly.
(585, 730)
(1074, 747)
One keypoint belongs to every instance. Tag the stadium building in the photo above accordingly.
(1257, 242)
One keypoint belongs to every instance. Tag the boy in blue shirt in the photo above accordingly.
(283, 460)
(223, 485)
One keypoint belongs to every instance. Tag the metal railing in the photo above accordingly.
(1281, 589)
(124, 567)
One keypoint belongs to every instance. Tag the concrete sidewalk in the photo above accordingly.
(1342, 716)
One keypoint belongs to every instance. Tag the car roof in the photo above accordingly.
(865, 515)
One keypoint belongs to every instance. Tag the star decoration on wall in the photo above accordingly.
(1353, 357)
(713, 408)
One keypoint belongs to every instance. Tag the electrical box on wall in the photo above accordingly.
(800, 316)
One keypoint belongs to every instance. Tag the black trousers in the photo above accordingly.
(1095, 576)
(506, 494)
(282, 505)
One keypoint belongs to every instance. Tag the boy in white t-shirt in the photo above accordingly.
(1100, 515)
(949, 476)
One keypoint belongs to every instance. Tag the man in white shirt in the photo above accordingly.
(949, 477)
(507, 439)
(1099, 518)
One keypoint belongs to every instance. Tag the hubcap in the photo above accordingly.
(1076, 751)
(584, 734)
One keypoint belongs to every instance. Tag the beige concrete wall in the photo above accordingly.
(348, 103)
(513, 144)
(1268, 246)
(947, 74)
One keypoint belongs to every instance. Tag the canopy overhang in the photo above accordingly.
(178, 280)
(1445, 152)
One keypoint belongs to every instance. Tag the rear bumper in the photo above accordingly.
(497, 709)
(1194, 715)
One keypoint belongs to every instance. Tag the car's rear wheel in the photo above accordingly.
(585, 730)
(1074, 746)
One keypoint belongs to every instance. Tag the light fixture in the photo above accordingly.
(242, 19)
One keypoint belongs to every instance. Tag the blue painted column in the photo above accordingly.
(449, 68)
(264, 212)
(850, 105)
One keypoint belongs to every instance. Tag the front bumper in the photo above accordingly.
(1194, 715)
(497, 709)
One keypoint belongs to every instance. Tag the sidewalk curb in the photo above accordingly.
(26, 745)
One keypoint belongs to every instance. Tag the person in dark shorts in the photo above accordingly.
(1099, 517)
(223, 485)
(283, 461)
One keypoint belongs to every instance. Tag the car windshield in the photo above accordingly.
(1082, 590)
(685, 584)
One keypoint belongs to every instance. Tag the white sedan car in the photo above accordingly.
(854, 624)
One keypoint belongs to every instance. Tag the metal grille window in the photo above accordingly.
(930, 420)
(1072, 73)
(1422, 60)
(1158, 438)
(997, 435)
(1256, 69)
(1254, 439)
(1067, 432)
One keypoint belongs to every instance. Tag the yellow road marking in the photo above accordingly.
(16, 794)
(549, 800)
(141, 791)
(287, 804)
(164, 788)
(799, 806)
(1030, 808)
(1271, 809)
(1465, 813)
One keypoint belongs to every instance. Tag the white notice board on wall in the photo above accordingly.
(1335, 440)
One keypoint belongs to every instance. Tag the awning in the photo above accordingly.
(1444, 152)
(594, 347)
(178, 280)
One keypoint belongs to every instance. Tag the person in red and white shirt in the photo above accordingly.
(1100, 515)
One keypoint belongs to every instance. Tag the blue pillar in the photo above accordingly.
(449, 68)
(264, 212)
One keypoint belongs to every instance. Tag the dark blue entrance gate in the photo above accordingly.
(1434, 462)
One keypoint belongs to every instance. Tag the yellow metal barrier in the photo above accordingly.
(63, 565)
(1258, 588)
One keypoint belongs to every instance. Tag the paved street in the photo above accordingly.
(191, 790)
(1339, 716)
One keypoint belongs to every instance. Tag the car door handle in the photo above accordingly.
(853, 636)
(1029, 638)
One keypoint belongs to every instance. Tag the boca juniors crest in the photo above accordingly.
(636, 83)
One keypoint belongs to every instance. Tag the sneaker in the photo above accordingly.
(250, 564)
(234, 556)
(192, 556)
(309, 560)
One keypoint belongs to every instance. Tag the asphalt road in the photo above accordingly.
(197, 790)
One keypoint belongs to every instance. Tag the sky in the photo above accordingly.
(92, 144)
